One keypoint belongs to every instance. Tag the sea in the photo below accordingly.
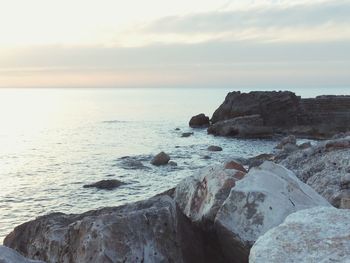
(54, 141)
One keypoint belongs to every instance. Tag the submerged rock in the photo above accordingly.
(105, 184)
(259, 202)
(199, 121)
(186, 134)
(148, 231)
(160, 159)
(323, 167)
(8, 255)
(314, 235)
(132, 163)
(214, 148)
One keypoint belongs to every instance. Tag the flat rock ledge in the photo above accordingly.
(314, 235)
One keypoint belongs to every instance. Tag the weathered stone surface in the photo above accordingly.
(147, 231)
(287, 140)
(8, 255)
(319, 117)
(235, 165)
(259, 202)
(105, 184)
(313, 235)
(200, 196)
(214, 148)
(250, 126)
(199, 121)
(160, 159)
(322, 167)
(305, 145)
(259, 160)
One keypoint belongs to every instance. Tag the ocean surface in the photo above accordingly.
(53, 141)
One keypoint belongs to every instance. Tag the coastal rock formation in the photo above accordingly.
(199, 121)
(235, 165)
(160, 159)
(247, 126)
(325, 167)
(289, 140)
(259, 202)
(148, 231)
(200, 196)
(313, 235)
(8, 255)
(263, 113)
(105, 184)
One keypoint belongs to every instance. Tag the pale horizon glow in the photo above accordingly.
(160, 43)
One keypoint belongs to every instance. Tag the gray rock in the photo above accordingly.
(8, 255)
(131, 163)
(201, 195)
(305, 145)
(313, 235)
(199, 121)
(322, 167)
(172, 163)
(259, 202)
(146, 231)
(287, 140)
(105, 184)
(214, 148)
(186, 134)
(160, 159)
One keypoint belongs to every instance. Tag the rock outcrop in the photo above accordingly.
(199, 121)
(8, 255)
(280, 112)
(105, 184)
(314, 235)
(147, 231)
(160, 159)
(325, 167)
(259, 202)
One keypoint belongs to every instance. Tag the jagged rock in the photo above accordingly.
(105, 184)
(160, 159)
(247, 126)
(313, 235)
(148, 231)
(259, 160)
(322, 167)
(200, 196)
(186, 134)
(199, 121)
(235, 165)
(257, 203)
(8, 255)
(287, 140)
(214, 148)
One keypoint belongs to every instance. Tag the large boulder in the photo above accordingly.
(275, 108)
(147, 231)
(160, 159)
(257, 203)
(250, 126)
(8, 255)
(199, 121)
(105, 184)
(325, 167)
(314, 235)
(201, 195)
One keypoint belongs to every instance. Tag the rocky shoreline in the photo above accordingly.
(275, 207)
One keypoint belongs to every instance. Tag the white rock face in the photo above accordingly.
(8, 255)
(200, 196)
(314, 235)
(325, 168)
(261, 201)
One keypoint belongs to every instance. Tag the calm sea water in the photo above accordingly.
(53, 141)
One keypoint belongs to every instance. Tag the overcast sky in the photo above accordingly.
(163, 43)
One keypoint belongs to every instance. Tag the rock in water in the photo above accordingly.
(287, 140)
(186, 134)
(105, 184)
(8, 255)
(314, 235)
(259, 202)
(200, 196)
(160, 159)
(214, 148)
(324, 167)
(146, 231)
(199, 121)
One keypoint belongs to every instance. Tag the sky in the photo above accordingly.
(163, 43)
